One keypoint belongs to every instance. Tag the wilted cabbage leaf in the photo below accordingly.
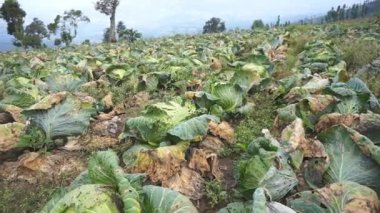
(106, 188)
(230, 96)
(103, 168)
(349, 158)
(68, 82)
(157, 119)
(260, 204)
(251, 74)
(20, 92)
(193, 129)
(266, 166)
(163, 200)
(354, 95)
(159, 163)
(10, 134)
(338, 197)
(70, 117)
(86, 198)
(118, 71)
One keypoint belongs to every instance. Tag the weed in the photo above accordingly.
(215, 192)
(358, 53)
(120, 92)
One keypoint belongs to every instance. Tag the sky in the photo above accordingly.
(155, 18)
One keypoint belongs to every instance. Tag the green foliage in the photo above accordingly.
(34, 33)
(20, 92)
(229, 96)
(257, 24)
(34, 138)
(70, 118)
(67, 26)
(157, 119)
(123, 33)
(214, 25)
(260, 118)
(130, 35)
(162, 200)
(266, 166)
(106, 35)
(193, 129)
(349, 158)
(14, 15)
(359, 52)
(215, 192)
(106, 185)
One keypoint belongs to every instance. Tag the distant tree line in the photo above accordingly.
(343, 12)
(367, 8)
(63, 29)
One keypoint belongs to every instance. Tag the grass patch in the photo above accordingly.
(358, 53)
(24, 197)
(261, 118)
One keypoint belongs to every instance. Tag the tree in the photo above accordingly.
(35, 32)
(108, 7)
(129, 35)
(257, 24)
(278, 21)
(214, 25)
(120, 28)
(14, 15)
(106, 35)
(67, 25)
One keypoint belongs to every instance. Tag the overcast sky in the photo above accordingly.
(163, 17)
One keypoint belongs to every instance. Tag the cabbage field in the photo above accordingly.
(279, 120)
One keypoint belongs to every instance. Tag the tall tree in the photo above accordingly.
(67, 25)
(14, 15)
(35, 32)
(108, 7)
(214, 25)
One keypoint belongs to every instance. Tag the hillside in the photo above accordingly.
(277, 120)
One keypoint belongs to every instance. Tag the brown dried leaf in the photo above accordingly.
(9, 135)
(329, 120)
(206, 163)
(89, 142)
(223, 131)
(49, 101)
(212, 144)
(14, 112)
(187, 182)
(318, 103)
(215, 64)
(107, 101)
(30, 165)
(198, 162)
(294, 134)
(161, 163)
